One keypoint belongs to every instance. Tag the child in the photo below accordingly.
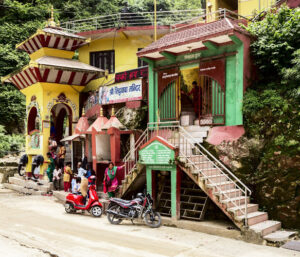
(67, 177)
(56, 177)
(76, 187)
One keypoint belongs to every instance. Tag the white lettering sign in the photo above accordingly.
(208, 68)
(121, 92)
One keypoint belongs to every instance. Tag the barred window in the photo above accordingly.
(104, 60)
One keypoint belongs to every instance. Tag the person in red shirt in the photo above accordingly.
(197, 97)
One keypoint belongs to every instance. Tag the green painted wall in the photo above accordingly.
(234, 79)
(173, 170)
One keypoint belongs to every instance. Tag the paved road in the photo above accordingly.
(38, 226)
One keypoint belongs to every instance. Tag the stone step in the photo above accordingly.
(196, 128)
(60, 195)
(215, 178)
(254, 217)
(280, 236)
(238, 211)
(30, 184)
(233, 202)
(266, 227)
(205, 165)
(198, 134)
(227, 185)
(22, 190)
(229, 193)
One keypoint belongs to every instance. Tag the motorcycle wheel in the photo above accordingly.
(21, 170)
(111, 217)
(69, 208)
(152, 219)
(96, 211)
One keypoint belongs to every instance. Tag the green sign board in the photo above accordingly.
(157, 153)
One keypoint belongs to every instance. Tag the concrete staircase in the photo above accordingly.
(229, 193)
(28, 187)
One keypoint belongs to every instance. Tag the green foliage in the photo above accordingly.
(10, 143)
(277, 38)
(271, 113)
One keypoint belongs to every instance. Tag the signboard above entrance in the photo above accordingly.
(121, 92)
(156, 153)
(165, 77)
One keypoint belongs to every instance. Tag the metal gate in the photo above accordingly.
(167, 103)
(212, 108)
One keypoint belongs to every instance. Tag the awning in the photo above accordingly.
(73, 137)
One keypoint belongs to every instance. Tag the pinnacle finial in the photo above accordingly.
(51, 22)
(101, 112)
(83, 112)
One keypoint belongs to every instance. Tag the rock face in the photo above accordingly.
(273, 176)
(133, 118)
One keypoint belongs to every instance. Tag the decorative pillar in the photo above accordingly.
(175, 194)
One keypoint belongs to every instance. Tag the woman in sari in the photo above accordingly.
(111, 179)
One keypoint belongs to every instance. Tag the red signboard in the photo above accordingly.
(131, 74)
(214, 69)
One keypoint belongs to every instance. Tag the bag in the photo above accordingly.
(108, 183)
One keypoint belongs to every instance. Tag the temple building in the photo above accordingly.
(51, 82)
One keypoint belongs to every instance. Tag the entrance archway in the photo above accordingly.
(61, 121)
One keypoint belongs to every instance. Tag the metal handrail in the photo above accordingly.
(130, 19)
(174, 126)
(216, 160)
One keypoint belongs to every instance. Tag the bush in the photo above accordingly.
(10, 143)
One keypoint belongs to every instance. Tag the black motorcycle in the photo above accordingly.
(138, 208)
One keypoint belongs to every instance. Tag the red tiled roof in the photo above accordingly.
(198, 31)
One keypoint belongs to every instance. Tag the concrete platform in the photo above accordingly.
(217, 228)
(280, 236)
(292, 245)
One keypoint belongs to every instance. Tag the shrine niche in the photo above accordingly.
(33, 117)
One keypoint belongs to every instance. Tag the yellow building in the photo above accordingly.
(246, 8)
(52, 83)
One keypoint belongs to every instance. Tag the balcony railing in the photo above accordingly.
(121, 20)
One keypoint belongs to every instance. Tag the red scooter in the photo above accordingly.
(75, 202)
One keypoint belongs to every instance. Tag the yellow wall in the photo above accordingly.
(250, 7)
(46, 51)
(125, 55)
(245, 7)
(46, 93)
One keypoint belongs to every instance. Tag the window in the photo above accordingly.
(104, 60)
(141, 63)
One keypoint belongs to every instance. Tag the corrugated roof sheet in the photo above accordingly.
(66, 63)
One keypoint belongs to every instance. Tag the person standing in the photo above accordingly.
(61, 155)
(56, 177)
(111, 180)
(67, 177)
(197, 97)
(51, 167)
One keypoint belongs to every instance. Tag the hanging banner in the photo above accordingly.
(214, 69)
(121, 92)
(165, 77)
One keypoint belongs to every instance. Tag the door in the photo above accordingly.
(167, 103)
(212, 107)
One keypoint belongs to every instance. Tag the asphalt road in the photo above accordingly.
(38, 226)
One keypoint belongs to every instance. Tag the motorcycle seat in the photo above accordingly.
(119, 200)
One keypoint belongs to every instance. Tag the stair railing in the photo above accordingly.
(225, 190)
(190, 149)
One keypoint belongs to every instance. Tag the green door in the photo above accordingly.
(213, 103)
(167, 103)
